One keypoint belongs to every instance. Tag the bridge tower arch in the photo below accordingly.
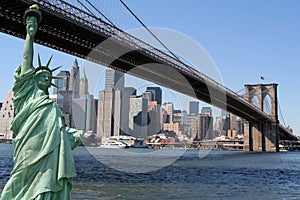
(262, 91)
(262, 136)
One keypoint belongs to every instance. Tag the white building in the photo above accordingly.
(6, 117)
(138, 116)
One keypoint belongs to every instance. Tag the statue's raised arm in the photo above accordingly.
(32, 17)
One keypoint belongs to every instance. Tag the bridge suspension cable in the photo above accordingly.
(240, 90)
(94, 7)
(135, 16)
(155, 37)
(281, 115)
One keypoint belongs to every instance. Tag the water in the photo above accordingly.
(219, 175)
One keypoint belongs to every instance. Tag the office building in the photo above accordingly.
(192, 126)
(233, 122)
(125, 106)
(109, 107)
(138, 116)
(6, 117)
(75, 80)
(85, 113)
(206, 110)
(205, 125)
(194, 107)
(168, 109)
(156, 94)
(84, 85)
(154, 125)
(114, 79)
(63, 95)
(180, 117)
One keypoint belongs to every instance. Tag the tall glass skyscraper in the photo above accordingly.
(114, 79)
(110, 105)
(156, 94)
(194, 107)
(206, 110)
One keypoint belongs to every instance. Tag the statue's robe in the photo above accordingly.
(43, 161)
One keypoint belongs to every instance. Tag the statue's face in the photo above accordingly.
(31, 26)
(43, 80)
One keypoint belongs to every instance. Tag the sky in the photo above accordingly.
(245, 39)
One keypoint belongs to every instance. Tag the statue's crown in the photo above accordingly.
(46, 68)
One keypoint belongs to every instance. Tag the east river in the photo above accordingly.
(177, 174)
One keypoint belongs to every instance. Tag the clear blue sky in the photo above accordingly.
(246, 39)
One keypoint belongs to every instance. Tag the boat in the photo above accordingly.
(139, 144)
(114, 144)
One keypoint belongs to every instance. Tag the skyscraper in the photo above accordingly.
(125, 105)
(154, 118)
(192, 126)
(114, 79)
(64, 95)
(84, 85)
(62, 83)
(84, 113)
(169, 108)
(84, 108)
(156, 94)
(206, 110)
(109, 106)
(7, 116)
(75, 80)
(138, 116)
(233, 122)
(194, 107)
(205, 126)
(71, 95)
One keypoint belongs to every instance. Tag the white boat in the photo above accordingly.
(114, 144)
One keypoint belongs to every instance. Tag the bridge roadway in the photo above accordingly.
(73, 31)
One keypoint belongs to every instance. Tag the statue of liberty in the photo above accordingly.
(43, 161)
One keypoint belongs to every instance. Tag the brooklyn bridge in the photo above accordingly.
(74, 31)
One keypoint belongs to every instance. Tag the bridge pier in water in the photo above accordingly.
(259, 137)
(262, 136)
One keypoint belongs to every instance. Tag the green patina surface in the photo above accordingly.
(43, 161)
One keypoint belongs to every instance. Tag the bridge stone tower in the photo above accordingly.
(258, 135)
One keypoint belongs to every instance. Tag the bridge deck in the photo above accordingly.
(70, 30)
